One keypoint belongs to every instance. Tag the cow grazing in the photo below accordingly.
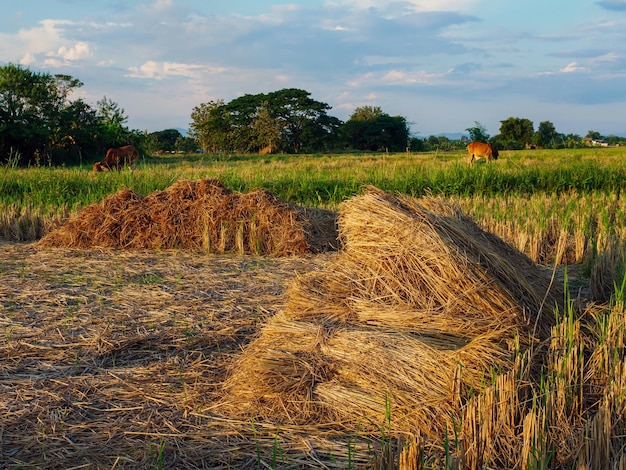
(478, 150)
(117, 158)
(266, 150)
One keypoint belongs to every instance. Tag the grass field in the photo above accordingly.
(116, 359)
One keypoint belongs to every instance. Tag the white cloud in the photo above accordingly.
(48, 40)
(28, 59)
(573, 67)
(160, 5)
(53, 63)
(419, 5)
(160, 70)
(398, 77)
(443, 5)
(105, 63)
(360, 80)
(80, 50)
(610, 57)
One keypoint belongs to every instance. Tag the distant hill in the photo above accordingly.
(453, 135)
(449, 135)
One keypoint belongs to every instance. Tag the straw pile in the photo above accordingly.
(409, 320)
(198, 215)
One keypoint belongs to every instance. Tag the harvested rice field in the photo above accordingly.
(114, 359)
(396, 334)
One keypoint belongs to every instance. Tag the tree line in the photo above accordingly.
(40, 124)
(290, 121)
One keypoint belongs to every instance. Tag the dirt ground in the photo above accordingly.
(114, 359)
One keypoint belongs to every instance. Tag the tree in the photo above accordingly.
(76, 133)
(546, 135)
(267, 130)
(571, 141)
(36, 117)
(595, 135)
(515, 133)
(238, 116)
(112, 119)
(163, 141)
(305, 121)
(39, 122)
(287, 119)
(186, 144)
(416, 144)
(478, 133)
(371, 129)
(209, 126)
(366, 113)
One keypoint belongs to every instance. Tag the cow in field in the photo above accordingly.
(266, 150)
(476, 150)
(117, 158)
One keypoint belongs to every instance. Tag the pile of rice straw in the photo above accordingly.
(199, 215)
(404, 324)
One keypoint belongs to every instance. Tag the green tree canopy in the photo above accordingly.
(209, 126)
(546, 135)
(305, 121)
(31, 110)
(163, 141)
(38, 121)
(284, 120)
(478, 133)
(369, 128)
(113, 132)
(594, 135)
(366, 113)
(267, 130)
(515, 133)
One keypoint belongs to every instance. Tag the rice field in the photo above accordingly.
(424, 342)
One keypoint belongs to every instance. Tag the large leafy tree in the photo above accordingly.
(77, 132)
(267, 130)
(285, 120)
(546, 135)
(239, 116)
(306, 123)
(515, 133)
(32, 106)
(163, 141)
(369, 128)
(478, 133)
(209, 126)
(38, 121)
(112, 118)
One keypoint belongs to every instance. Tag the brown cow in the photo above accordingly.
(117, 158)
(478, 150)
(266, 150)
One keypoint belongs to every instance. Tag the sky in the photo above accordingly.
(444, 65)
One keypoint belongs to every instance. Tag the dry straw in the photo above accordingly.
(402, 325)
(198, 215)
(413, 347)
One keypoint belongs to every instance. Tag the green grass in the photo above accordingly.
(326, 180)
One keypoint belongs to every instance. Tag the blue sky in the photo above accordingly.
(443, 64)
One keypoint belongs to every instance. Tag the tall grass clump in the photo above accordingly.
(567, 410)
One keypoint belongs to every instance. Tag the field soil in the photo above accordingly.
(115, 359)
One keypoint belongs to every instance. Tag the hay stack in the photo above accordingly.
(414, 316)
(198, 215)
